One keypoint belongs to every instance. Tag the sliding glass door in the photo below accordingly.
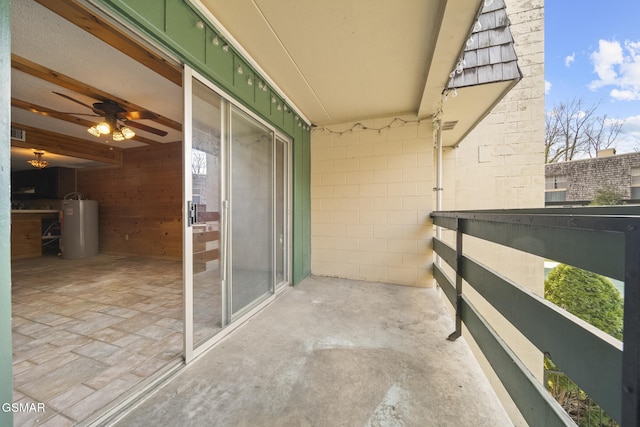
(236, 222)
(204, 189)
(252, 203)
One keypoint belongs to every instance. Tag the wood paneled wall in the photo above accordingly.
(139, 203)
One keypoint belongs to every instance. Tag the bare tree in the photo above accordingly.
(573, 130)
(198, 162)
(602, 134)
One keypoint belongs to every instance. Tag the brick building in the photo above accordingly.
(577, 181)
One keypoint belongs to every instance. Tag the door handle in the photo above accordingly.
(192, 213)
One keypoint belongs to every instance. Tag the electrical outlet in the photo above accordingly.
(126, 237)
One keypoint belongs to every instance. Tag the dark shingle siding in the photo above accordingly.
(490, 56)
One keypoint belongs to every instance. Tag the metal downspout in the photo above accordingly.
(438, 188)
(437, 124)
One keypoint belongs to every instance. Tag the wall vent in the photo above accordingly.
(18, 134)
(449, 125)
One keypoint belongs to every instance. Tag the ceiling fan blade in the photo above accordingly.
(74, 100)
(137, 115)
(145, 128)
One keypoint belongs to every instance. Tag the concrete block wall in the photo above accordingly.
(371, 195)
(586, 176)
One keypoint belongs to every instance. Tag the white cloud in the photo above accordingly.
(569, 59)
(623, 95)
(547, 86)
(619, 67)
(632, 125)
(605, 60)
(628, 139)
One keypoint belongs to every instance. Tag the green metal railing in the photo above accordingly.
(604, 240)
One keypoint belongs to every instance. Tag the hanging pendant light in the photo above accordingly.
(38, 163)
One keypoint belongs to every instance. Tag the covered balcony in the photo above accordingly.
(337, 351)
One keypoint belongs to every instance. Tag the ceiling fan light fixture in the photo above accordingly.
(104, 128)
(117, 136)
(94, 131)
(127, 133)
(38, 163)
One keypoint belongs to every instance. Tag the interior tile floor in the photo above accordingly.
(86, 331)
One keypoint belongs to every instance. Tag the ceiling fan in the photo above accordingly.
(114, 114)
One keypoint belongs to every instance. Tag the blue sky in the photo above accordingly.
(592, 52)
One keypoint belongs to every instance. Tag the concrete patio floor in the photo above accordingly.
(333, 352)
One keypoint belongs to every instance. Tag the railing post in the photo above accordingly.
(631, 352)
(459, 233)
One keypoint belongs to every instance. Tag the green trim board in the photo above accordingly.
(184, 31)
(177, 26)
(6, 356)
(301, 207)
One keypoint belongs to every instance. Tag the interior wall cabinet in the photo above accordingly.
(47, 183)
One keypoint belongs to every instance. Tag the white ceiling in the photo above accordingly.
(343, 60)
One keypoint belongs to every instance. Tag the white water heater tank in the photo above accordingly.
(79, 235)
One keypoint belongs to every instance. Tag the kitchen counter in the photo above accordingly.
(27, 230)
(34, 211)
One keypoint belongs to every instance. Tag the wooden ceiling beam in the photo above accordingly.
(44, 111)
(22, 64)
(78, 14)
(38, 109)
(67, 145)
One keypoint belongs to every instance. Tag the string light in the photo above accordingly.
(459, 69)
(215, 41)
(395, 122)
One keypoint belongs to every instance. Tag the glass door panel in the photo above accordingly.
(251, 212)
(206, 187)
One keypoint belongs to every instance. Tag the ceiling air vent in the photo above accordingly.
(449, 125)
(18, 134)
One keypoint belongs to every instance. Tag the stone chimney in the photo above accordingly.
(607, 153)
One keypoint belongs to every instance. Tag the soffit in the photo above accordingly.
(347, 60)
